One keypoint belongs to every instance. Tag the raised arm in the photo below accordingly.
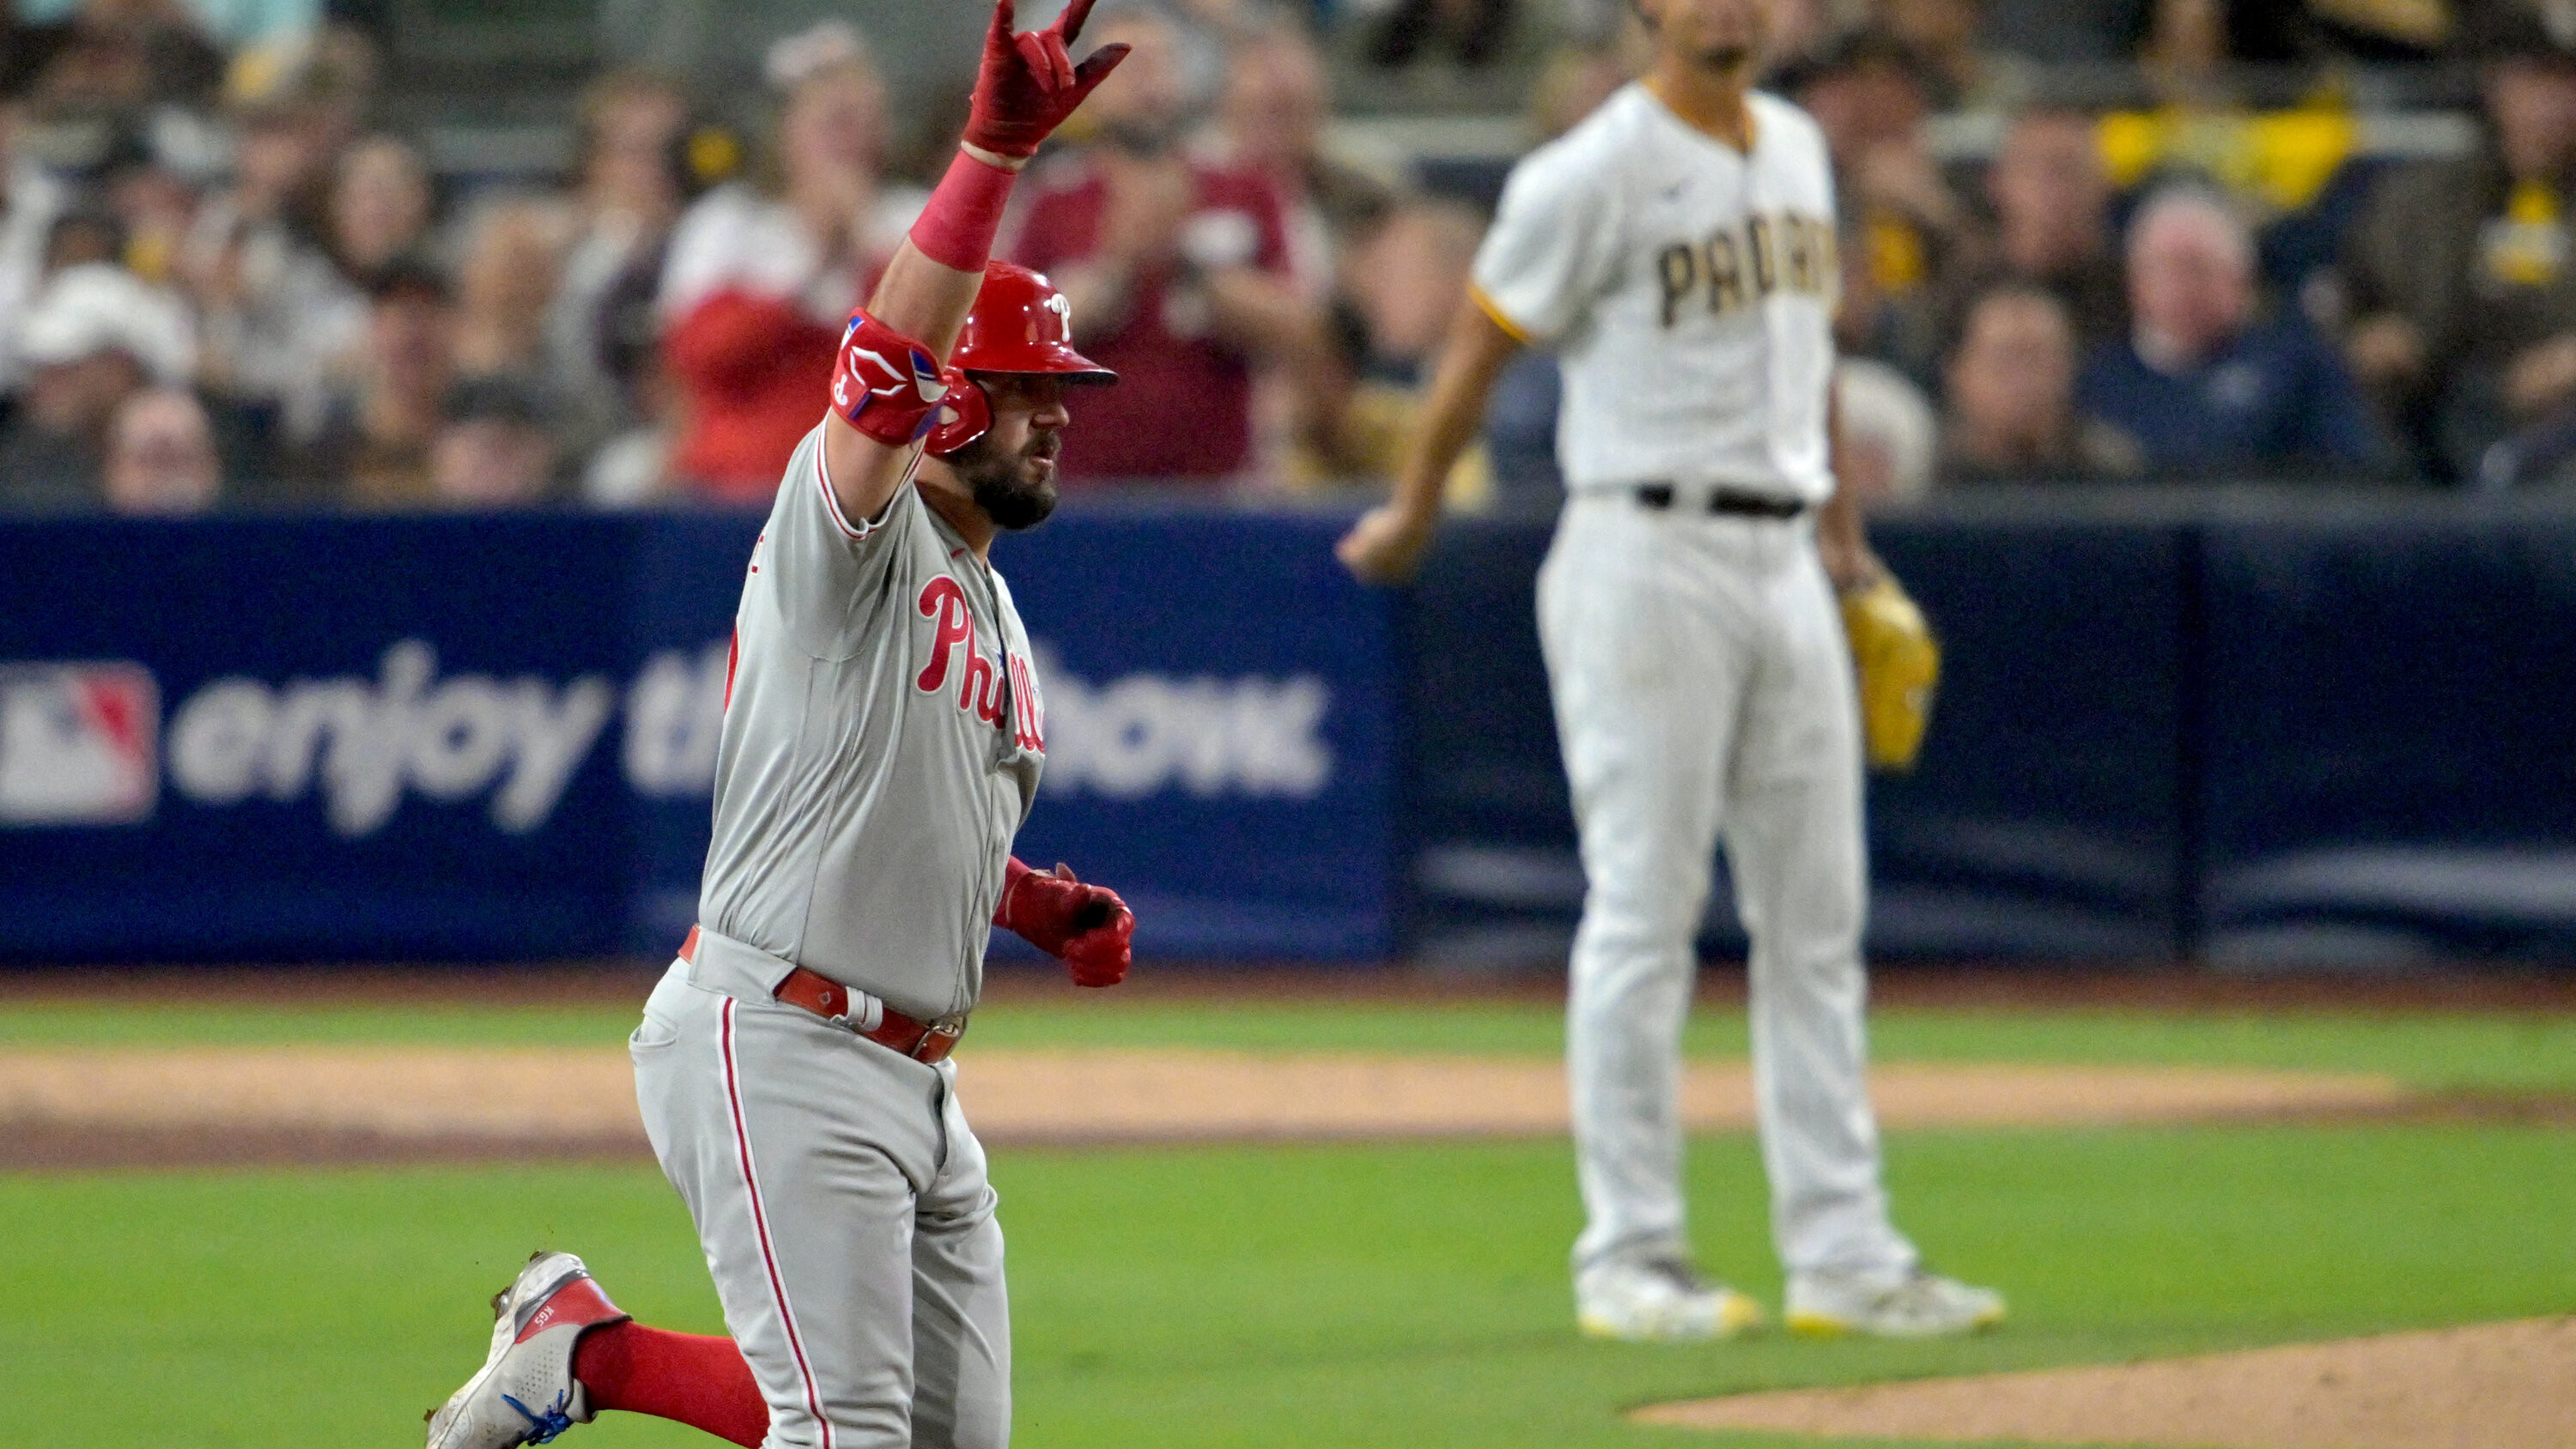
(891, 374)
(1386, 545)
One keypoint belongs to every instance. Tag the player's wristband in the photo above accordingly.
(964, 213)
(1011, 877)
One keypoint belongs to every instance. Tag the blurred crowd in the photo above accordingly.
(226, 282)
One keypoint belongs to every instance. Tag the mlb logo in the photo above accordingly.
(80, 744)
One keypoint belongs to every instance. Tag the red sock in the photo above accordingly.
(696, 1380)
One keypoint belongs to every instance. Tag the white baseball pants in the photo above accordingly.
(845, 1213)
(1703, 691)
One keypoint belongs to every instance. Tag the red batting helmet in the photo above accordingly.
(1020, 323)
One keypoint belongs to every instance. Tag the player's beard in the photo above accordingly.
(1009, 487)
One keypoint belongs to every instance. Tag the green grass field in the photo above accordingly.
(1303, 1296)
(2433, 1050)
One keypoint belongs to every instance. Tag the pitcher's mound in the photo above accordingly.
(2496, 1386)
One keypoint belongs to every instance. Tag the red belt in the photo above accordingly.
(927, 1042)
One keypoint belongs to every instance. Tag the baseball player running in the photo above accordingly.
(1676, 249)
(883, 736)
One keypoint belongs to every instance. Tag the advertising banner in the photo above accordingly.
(493, 737)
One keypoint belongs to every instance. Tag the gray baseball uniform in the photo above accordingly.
(883, 738)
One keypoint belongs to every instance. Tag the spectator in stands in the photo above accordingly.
(2053, 222)
(277, 318)
(1801, 31)
(1271, 118)
(2202, 385)
(156, 203)
(1908, 228)
(94, 337)
(1574, 83)
(495, 446)
(2010, 383)
(1276, 101)
(2065, 32)
(2462, 277)
(1178, 273)
(1884, 434)
(1948, 37)
(1473, 30)
(332, 69)
(505, 280)
(380, 204)
(1406, 281)
(2184, 51)
(633, 170)
(161, 455)
(761, 276)
(30, 199)
(82, 236)
(109, 59)
(373, 449)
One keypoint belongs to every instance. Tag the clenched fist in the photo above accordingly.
(1085, 926)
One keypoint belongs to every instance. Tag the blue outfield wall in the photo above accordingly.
(493, 737)
(2254, 732)
(2046, 819)
(2391, 738)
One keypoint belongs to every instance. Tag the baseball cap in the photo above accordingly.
(101, 307)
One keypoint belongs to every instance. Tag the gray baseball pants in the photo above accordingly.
(843, 1206)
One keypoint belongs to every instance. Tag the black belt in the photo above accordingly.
(1726, 501)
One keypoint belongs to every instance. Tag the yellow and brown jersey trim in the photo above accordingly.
(1502, 319)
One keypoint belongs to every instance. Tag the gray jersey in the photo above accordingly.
(883, 736)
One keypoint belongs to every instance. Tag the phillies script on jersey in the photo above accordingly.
(978, 685)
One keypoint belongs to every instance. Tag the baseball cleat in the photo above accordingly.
(525, 1392)
(1913, 1304)
(1662, 1300)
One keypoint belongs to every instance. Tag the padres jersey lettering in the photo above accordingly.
(1688, 290)
(1711, 271)
(883, 740)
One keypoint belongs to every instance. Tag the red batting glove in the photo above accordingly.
(1028, 83)
(1085, 926)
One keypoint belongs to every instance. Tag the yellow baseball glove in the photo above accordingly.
(1900, 666)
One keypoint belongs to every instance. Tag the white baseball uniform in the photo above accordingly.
(1702, 683)
(883, 737)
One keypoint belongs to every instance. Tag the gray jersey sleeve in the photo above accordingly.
(833, 577)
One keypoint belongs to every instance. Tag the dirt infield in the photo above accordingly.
(2497, 1386)
(122, 1105)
